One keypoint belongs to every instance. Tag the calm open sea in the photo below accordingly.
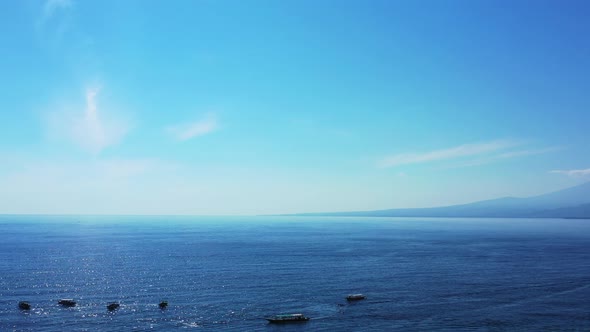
(229, 273)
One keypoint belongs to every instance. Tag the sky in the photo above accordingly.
(227, 107)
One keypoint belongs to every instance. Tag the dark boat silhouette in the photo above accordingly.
(67, 302)
(287, 318)
(113, 306)
(163, 304)
(355, 297)
(24, 305)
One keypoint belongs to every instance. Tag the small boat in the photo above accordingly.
(287, 318)
(355, 297)
(24, 305)
(163, 304)
(113, 306)
(67, 302)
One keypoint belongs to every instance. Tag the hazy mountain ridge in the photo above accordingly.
(573, 202)
(580, 211)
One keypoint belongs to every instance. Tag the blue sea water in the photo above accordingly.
(229, 273)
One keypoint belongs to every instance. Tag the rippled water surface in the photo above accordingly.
(229, 273)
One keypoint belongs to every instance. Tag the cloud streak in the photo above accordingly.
(487, 159)
(460, 151)
(573, 172)
(187, 131)
(93, 129)
(52, 6)
(530, 152)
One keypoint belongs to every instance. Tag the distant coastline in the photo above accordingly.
(570, 203)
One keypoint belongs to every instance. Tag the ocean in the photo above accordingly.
(228, 274)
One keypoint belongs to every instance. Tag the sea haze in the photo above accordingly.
(229, 273)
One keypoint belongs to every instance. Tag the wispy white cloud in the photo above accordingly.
(573, 172)
(464, 150)
(52, 6)
(54, 24)
(487, 159)
(91, 128)
(186, 131)
(528, 152)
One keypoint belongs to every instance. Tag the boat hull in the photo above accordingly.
(355, 297)
(287, 318)
(67, 303)
(113, 306)
(287, 321)
(24, 305)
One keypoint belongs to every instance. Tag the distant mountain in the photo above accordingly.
(572, 202)
(575, 212)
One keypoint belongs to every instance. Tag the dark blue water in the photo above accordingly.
(229, 273)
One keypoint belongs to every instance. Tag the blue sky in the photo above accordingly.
(252, 107)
